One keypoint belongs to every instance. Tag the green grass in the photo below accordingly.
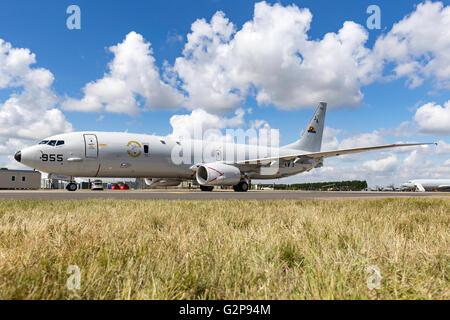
(225, 249)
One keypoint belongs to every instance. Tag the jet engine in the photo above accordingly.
(218, 174)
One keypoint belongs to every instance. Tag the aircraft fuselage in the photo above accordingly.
(117, 154)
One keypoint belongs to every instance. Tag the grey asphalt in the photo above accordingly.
(215, 195)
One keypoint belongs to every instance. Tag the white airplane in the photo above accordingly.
(211, 163)
(423, 185)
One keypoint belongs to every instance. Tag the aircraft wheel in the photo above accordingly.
(72, 186)
(243, 185)
(206, 188)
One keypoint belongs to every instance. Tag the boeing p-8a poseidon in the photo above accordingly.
(167, 161)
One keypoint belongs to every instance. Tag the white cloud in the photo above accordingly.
(272, 58)
(173, 37)
(132, 72)
(330, 139)
(202, 69)
(263, 134)
(362, 140)
(201, 124)
(418, 45)
(404, 129)
(386, 164)
(258, 124)
(356, 141)
(433, 119)
(29, 112)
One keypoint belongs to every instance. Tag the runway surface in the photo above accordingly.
(215, 195)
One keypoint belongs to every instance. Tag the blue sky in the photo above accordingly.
(78, 57)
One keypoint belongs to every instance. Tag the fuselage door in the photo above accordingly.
(91, 145)
(218, 154)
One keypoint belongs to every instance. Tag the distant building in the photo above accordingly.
(20, 179)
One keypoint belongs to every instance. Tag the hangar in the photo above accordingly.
(20, 179)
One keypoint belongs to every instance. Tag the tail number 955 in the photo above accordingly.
(52, 157)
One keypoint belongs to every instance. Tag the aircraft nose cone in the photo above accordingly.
(18, 156)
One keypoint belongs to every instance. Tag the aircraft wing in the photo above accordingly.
(326, 154)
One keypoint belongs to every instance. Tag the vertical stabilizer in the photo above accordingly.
(311, 139)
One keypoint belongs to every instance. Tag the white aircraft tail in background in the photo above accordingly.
(423, 185)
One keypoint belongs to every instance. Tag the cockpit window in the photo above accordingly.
(60, 142)
(43, 142)
(52, 143)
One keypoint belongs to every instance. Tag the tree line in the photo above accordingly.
(353, 185)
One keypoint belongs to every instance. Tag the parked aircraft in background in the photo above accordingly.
(423, 185)
(214, 163)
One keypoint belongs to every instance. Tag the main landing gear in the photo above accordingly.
(72, 186)
(241, 186)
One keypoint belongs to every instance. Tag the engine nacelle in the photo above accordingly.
(218, 174)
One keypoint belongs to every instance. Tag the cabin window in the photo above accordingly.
(23, 179)
(178, 143)
(145, 148)
(52, 143)
(13, 178)
(60, 142)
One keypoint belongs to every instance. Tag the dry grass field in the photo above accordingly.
(304, 249)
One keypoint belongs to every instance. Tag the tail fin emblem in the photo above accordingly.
(311, 129)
